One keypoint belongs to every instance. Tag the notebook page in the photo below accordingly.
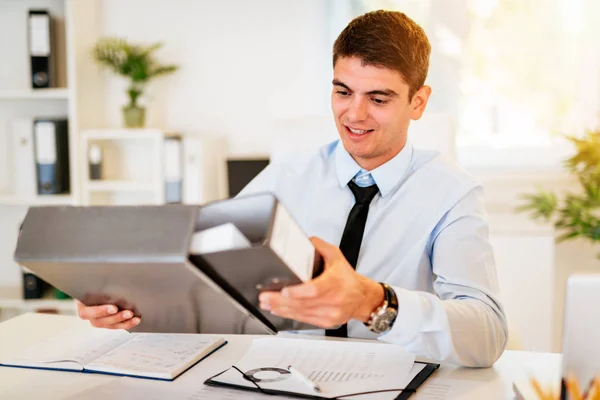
(71, 349)
(156, 355)
(340, 368)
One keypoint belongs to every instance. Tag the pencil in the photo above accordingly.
(573, 388)
(594, 393)
(538, 389)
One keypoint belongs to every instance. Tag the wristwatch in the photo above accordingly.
(382, 319)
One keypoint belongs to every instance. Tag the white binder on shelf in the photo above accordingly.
(203, 169)
(23, 159)
(173, 169)
(40, 49)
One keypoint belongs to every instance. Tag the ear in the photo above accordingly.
(419, 102)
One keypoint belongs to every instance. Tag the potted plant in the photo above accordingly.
(574, 214)
(136, 63)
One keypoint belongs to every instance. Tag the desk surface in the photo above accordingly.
(18, 333)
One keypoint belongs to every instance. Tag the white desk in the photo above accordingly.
(18, 333)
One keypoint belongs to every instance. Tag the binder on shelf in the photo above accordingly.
(52, 156)
(95, 162)
(139, 258)
(40, 49)
(33, 286)
(173, 169)
(23, 158)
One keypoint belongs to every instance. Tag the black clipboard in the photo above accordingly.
(408, 391)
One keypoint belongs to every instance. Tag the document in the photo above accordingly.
(292, 245)
(143, 355)
(219, 238)
(339, 368)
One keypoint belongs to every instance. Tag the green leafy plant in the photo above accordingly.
(134, 62)
(575, 214)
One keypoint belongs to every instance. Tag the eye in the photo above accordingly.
(342, 92)
(379, 101)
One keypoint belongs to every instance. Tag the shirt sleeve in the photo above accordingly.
(465, 322)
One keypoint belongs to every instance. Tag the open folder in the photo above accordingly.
(334, 369)
(140, 258)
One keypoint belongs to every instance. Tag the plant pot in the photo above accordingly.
(134, 116)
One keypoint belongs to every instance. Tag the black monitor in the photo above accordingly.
(241, 171)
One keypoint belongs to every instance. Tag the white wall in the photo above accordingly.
(244, 64)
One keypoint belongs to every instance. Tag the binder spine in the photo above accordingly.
(40, 49)
(52, 156)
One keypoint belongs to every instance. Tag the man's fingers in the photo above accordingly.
(94, 312)
(317, 287)
(327, 250)
(127, 324)
(113, 320)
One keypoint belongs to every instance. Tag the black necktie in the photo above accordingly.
(353, 234)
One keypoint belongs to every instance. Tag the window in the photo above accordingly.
(514, 74)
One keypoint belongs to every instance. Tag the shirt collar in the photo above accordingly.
(386, 176)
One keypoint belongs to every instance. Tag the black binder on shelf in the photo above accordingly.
(51, 143)
(33, 286)
(40, 49)
(139, 259)
(427, 370)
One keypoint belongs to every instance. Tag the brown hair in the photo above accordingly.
(387, 39)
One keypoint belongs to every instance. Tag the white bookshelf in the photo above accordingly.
(37, 94)
(132, 167)
(77, 96)
(119, 186)
(134, 157)
(46, 200)
(12, 303)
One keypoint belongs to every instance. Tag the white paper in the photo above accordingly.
(219, 238)
(155, 354)
(449, 389)
(339, 368)
(292, 245)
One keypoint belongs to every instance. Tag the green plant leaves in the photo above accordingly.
(134, 62)
(576, 214)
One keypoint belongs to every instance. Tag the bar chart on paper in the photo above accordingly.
(319, 376)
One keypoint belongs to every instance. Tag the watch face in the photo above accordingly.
(382, 322)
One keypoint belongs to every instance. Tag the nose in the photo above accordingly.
(358, 109)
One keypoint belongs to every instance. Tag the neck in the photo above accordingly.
(370, 163)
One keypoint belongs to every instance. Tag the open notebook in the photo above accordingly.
(118, 352)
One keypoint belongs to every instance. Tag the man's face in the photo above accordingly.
(372, 110)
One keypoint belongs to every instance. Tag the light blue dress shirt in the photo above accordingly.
(426, 236)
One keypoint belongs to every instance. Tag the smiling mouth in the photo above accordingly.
(357, 132)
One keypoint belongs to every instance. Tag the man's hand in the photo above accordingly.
(338, 295)
(106, 316)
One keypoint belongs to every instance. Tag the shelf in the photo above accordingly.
(122, 134)
(56, 199)
(120, 186)
(10, 298)
(37, 94)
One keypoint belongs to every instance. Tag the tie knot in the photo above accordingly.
(363, 195)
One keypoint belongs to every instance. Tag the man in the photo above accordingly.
(424, 277)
